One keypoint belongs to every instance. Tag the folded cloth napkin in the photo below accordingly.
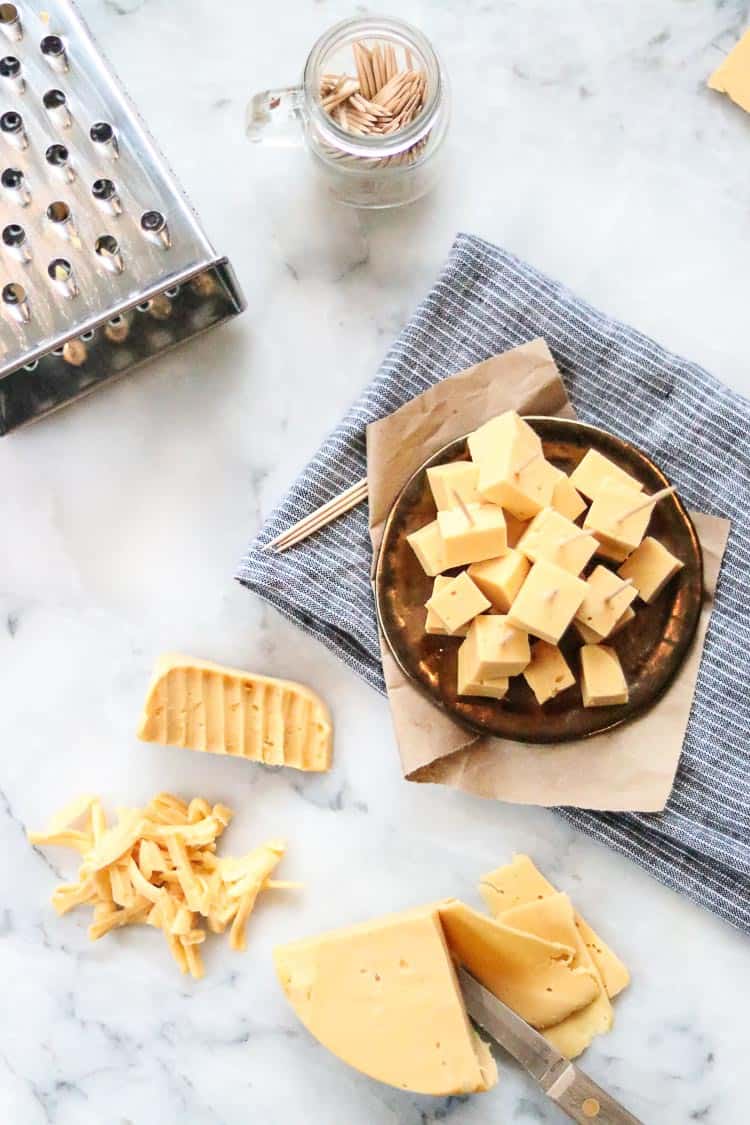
(484, 302)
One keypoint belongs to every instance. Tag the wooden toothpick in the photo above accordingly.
(615, 593)
(525, 464)
(462, 505)
(574, 538)
(647, 501)
(550, 595)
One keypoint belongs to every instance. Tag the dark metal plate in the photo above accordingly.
(651, 648)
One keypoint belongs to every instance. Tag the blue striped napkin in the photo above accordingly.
(484, 302)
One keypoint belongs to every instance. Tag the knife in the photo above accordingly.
(567, 1086)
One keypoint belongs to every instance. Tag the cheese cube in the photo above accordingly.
(594, 470)
(458, 477)
(547, 601)
(650, 566)
(548, 673)
(566, 499)
(494, 687)
(515, 528)
(494, 648)
(605, 602)
(591, 637)
(524, 488)
(465, 542)
(501, 579)
(433, 625)
(458, 602)
(501, 432)
(618, 532)
(603, 683)
(427, 544)
(546, 538)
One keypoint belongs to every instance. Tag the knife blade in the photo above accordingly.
(563, 1082)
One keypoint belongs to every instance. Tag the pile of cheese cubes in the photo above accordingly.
(508, 517)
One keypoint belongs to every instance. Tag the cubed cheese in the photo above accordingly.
(427, 544)
(458, 602)
(548, 673)
(553, 537)
(650, 567)
(521, 486)
(501, 432)
(433, 625)
(494, 687)
(566, 499)
(494, 648)
(591, 637)
(458, 478)
(501, 579)
(547, 601)
(465, 541)
(515, 528)
(605, 602)
(602, 680)
(594, 470)
(618, 527)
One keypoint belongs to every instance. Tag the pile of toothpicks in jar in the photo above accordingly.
(381, 100)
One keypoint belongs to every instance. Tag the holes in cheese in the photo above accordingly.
(384, 998)
(202, 706)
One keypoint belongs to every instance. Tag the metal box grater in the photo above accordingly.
(103, 261)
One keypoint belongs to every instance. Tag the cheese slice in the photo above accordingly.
(202, 706)
(553, 919)
(732, 76)
(536, 978)
(518, 883)
(383, 996)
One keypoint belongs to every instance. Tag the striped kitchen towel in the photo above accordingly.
(484, 302)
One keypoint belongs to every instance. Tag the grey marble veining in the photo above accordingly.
(584, 140)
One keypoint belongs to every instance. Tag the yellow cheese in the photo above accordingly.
(456, 478)
(602, 680)
(650, 567)
(433, 624)
(553, 919)
(553, 537)
(458, 602)
(494, 648)
(548, 673)
(566, 499)
(481, 536)
(536, 978)
(594, 470)
(606, 600)
(618, 528)
(547, 602)
(593, 638)
(521, 486)
(732, 76)
(494, 687)
(500, 433)
(203, 706)
(383, 996)
(520, 882)
(427, 544)
(514, 528)
(501, 579)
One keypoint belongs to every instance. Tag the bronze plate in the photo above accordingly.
(652, 647)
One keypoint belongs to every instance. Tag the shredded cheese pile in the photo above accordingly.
(158, 866)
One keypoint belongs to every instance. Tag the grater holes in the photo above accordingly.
(13, 235)
(10, 67)
(56, 104)
(10, 21)
(53, 49)
(16, 301)
(102, 134)
(60, 273)
(12, 127)
(107, 250)
(88, 336)
(54, 99)
(154, 227)
(61, 217)
(57, 155)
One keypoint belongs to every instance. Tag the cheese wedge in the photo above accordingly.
(518, 883)
(202, 706)
(536, 978)
(553, 919)
(383, 996)
(731, 76)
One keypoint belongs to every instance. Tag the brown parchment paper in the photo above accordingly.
(629, 768)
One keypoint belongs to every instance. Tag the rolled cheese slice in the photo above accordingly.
(203, 706)
(384, 997)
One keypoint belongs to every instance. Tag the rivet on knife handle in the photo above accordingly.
(584, 1101)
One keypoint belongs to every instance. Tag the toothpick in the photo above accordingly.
(548, 597)
(527, 462)
(460, 501)
(615, 593)
(648, 500)
(574, 538)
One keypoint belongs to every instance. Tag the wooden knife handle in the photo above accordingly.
(585, 1102)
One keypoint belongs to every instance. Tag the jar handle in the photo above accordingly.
(271, 115)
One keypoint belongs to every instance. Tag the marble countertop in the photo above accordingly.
(584, 140)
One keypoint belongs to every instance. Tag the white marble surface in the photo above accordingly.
(585, 141)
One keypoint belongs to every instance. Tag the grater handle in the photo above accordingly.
(272, 116)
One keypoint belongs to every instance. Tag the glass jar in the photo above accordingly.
(362, 170)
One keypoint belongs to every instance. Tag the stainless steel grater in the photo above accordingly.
(103, 261)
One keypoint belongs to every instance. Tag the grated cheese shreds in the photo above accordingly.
(157, 866)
